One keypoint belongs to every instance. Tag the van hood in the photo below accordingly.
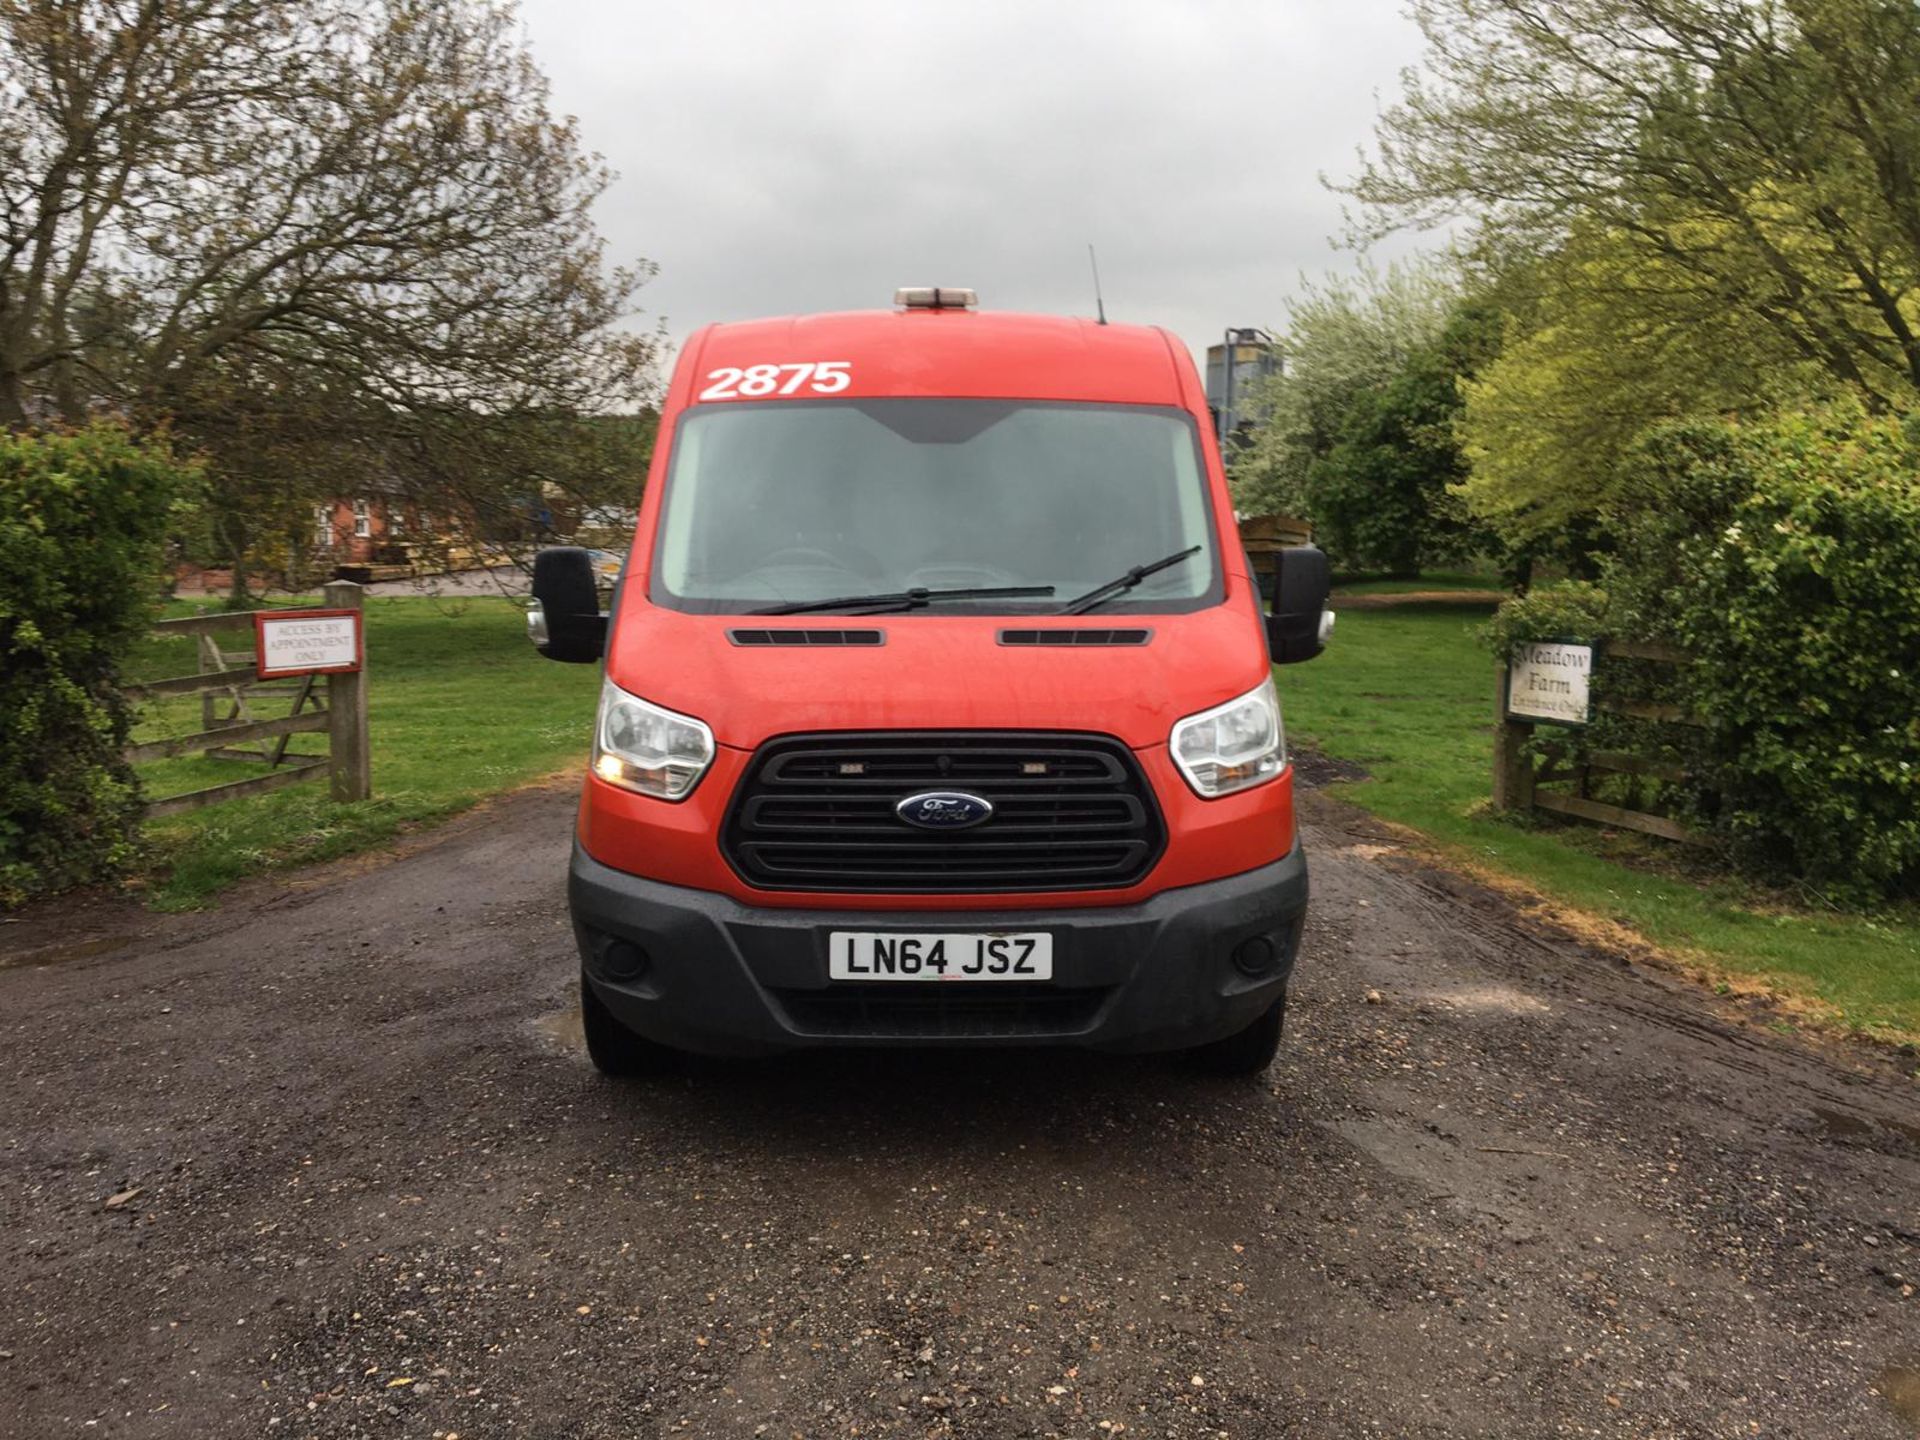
(936, 672)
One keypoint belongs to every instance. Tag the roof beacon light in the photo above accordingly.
(935, 297)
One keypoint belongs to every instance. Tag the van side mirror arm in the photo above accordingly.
(1300, 624)
(565, 621)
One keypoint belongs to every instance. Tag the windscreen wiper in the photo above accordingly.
(905, 599)
(1102, 593)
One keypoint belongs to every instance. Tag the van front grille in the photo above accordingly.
(817, 812)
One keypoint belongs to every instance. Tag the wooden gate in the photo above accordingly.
(233, 725)
(1558, 775)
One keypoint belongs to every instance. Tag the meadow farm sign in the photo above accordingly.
(1549, 680)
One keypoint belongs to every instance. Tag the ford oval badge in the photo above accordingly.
(944, 810)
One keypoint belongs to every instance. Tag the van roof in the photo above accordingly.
(954, 352)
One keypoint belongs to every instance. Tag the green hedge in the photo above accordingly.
(1785, 555)
(83, 520)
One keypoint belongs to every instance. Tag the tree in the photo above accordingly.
(325, 237)
(1357, 433)
(1383, 496)
(1764, 154)
(1603, 340)
(1344, 337)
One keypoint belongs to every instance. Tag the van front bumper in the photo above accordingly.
(700, 971)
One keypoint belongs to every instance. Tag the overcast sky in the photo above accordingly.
(811, 155)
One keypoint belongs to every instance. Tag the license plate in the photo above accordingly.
(866, 955)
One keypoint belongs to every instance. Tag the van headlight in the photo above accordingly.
(1232, 746)
(645, 748)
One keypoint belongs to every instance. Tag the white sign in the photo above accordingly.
(306, 642)
(1548, 680)
(866, 955)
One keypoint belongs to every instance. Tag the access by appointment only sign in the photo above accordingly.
(307, 642)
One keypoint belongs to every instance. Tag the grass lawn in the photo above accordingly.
(1408, 693)
(460, 706)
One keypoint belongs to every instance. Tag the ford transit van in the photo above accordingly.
(938, 704)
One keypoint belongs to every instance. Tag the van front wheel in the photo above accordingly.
(613, 1048)
(1248, 1051)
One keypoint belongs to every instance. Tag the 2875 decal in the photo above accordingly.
(735, 382)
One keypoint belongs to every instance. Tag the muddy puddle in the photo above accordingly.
(1856, 1129)
(562, 1029)
(63, 954)
(1900, 1386)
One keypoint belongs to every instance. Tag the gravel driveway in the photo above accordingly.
(329, 1162)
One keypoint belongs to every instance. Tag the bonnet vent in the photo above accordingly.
(807, 637)
(1079, 636)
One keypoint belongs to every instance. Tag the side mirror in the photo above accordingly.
(565, 621)
(1300, 623)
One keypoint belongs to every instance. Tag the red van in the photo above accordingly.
(938, 704)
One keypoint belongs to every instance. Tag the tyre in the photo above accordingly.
(1248, 1051)
(613, 1048)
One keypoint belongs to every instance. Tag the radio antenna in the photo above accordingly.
(1099, 304)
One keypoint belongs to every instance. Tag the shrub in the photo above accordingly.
(1571, 610)
(83, 518)
(1785, 555)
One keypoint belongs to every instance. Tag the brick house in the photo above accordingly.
(364, 530)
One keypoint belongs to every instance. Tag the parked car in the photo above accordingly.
(938, 704)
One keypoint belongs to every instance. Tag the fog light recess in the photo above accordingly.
(1256, 955)
(622, 960)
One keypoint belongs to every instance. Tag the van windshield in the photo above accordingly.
(783, 503)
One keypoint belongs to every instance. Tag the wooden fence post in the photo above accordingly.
(349, 751)
(1512, 766)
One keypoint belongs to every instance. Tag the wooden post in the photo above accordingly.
(348, 748)
(204, 646)
(1512, 766)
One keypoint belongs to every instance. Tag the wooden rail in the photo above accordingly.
(228, 735)
(1621, 763)
(1646, 650)
(299, 769)
(1598, 810)
(193, 684)
(206, 624)
(1649, 710)
(342, 718)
